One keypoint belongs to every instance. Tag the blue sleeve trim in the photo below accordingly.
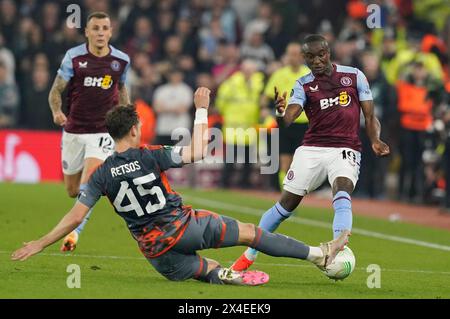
(363, 87)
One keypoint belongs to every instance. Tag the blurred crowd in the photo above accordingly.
(234, 47)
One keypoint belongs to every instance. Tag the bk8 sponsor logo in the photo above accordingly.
(104, 82)
(343, 100)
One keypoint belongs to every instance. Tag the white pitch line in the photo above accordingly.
(68, 255)
(299, 220)
(360, 268)
(229, 261)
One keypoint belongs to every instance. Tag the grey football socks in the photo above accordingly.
(279, 245)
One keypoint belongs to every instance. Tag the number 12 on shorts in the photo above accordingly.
(105, 142)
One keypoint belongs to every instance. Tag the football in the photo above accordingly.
(342, 266)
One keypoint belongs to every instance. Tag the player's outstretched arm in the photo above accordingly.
(199, 143)
(124, 98)
(373, 129)
(285, 115)
(55, 100)
(67, 224)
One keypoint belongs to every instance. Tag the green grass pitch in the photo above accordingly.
(112, 267)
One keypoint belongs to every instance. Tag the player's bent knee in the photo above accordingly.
(247, 233)
(290, 201)
(72, 191)
(212, 264)
(343, 184)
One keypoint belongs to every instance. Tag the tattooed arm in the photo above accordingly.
(55, 100)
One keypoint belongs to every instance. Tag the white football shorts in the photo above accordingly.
(75, 148)
(311, 166)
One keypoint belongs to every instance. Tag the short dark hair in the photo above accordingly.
(98, 15)
(314, 38)
(120, 120)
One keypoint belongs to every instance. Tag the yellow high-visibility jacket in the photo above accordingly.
(393, 68)
(238, 103)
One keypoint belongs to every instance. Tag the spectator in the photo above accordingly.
(144, 39)
(289, 10)
(222, 12)
(188, 37)
(245, 9)
(417, 94)
(172, 103)
(7, 57)
(165, 25)
(8, 21)
(97, 5)
(210, 39)
(372, 177)
(116, 40)
(146, 83)
(35, 46)
(139, 66)
(172, 54)
(64, 40)
(193, 10)
(69, 37)
(9, 99)
(395, 59)
(125, 8)
(277, 37)
(40, 59)
(256, 49)
(353, 30)
(36, 113)
(147, 119)
(228, 65)
(21, 41)
(50, 21)
(28, 8)
(206, 80)
(346, 52)
(262, 22)
(238, 102)
(166, 5)
(142, 8)
(447, 161)
(187, 65)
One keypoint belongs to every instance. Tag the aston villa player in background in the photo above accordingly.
(94, 73)
(332, 96)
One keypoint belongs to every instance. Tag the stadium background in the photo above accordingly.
(206, 40)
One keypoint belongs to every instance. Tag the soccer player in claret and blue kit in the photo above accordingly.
(332, 96)
(168, 233)
(94, 74)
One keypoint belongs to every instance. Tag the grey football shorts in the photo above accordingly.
(205, 230)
